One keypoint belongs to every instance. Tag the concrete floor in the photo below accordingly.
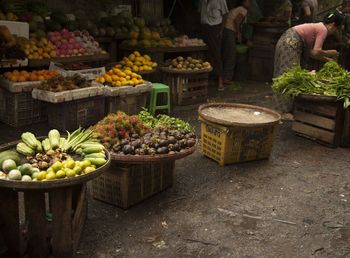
(297, 204)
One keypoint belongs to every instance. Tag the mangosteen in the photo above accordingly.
(171, 147)
(135, 135)
(151, 151)
(142, 152)
(147, 141)
(137, 151)
(163, 143)
(172, 140)
(147, 135)
(176, 147)
(178, 136)
(124, 142)
(128, 149)
(162, 150)
(136, 143)
(117, 147)
(191, 142)
(156, 145)
(183, 143)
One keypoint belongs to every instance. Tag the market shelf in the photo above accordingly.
(64, 60)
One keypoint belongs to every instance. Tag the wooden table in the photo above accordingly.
(42, 219)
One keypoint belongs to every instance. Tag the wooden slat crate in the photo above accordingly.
(345, 140)
(188, 89)
(319, 119)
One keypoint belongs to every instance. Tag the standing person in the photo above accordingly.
(309, 38)
(309, 11)
(283, 10)
(233, 33)
(213, 14)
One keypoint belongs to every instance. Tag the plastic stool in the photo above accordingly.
(159, 88)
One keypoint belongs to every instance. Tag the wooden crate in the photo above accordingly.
(319, 118)
(187, 89)
(42, 223)
(125, 185)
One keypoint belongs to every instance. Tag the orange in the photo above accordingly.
(33, 77)
(21, 78)
(41, 78)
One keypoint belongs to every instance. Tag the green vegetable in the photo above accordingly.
(9, 155)
(39, 147)
(46, 145)
(54, 137)
(30, 140)
(96, 161)
(101, 155)
(93, 149)
(331, 80)
(24, 149)
(77, 138)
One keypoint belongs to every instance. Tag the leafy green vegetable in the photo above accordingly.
(162, 121)
(331, 80)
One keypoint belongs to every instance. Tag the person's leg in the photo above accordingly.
(213, 40)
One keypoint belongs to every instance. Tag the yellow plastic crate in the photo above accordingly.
(228, 145)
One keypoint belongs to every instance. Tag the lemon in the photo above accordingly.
(51, 176)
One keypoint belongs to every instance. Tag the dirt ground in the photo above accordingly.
(297, 204)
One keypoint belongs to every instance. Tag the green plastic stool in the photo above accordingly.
(159, 88)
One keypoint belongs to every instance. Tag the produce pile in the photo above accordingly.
(24, 76)
(60, 83)
(137, 63)
(188, 64)
(144, 134)
(331, 80)
(117, 77)
(53, 158)
(185, 41)
(38, 49)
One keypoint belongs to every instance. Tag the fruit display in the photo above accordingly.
(10, 45)
(148, 43)
(117, 77)
(137, 63)
(53, 158)
(188, 64)
(116, 127)
(60, 83)
(39, 49)
(8, 16)
(144, 134)
(185, 41)
(77, 43)
(24, 76)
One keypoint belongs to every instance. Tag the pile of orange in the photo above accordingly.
(117, 78)
(25, 76)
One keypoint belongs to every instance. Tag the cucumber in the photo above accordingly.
(93, 149)
(90, 144)
(100, 155)
(96, 161)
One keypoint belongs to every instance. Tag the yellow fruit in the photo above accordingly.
(147, 57)
(132, 57)
(129, 64)
(108, 78)
(118, 83)
(122, 79)
(140, 68)
(115, 77)
(101, 80)
(154, 65)
(138, 63)
(127, 72)
(137, 53)
(135, 68)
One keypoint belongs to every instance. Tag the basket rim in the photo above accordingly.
(178, 71)
(237, 105)
(132, 159)
(59, 183)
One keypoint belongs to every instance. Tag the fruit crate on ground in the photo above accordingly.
(72, 114)
(125, 185)
(319, 118)
(20, 109)
(128, 99)
(187, 88)
(228, 145)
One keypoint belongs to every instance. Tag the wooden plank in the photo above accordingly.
(316, 120)
(317, 108)
(79, 214)
(345, 141)
(62, 237)
(313, 132)
(9, 221)
(35, 214)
